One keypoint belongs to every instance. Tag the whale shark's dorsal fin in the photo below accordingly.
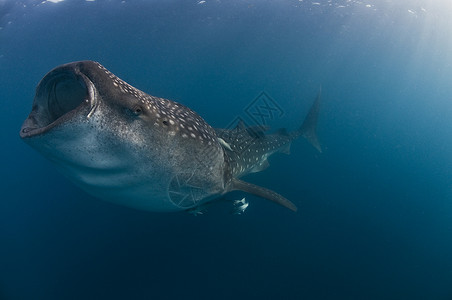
(239, 185)
(309, 127)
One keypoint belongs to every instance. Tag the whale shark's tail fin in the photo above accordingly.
(309, 127)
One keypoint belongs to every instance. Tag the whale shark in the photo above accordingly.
(122, 145)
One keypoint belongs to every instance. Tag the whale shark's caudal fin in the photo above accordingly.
(309, 127)
(239, 185)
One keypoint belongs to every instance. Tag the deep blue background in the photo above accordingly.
(375, 209)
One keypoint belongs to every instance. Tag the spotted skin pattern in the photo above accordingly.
(177, 117)
(125, 146)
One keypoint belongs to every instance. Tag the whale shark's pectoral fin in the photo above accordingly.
(239, 185)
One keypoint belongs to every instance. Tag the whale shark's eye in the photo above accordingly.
(165, 122)
(137, 110)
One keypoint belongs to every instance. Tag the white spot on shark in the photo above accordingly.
(223, 143)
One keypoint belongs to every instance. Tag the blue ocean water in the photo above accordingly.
(375, 208)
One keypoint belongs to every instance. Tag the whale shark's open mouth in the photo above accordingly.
(61, 94)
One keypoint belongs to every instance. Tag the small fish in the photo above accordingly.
(240, 206)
